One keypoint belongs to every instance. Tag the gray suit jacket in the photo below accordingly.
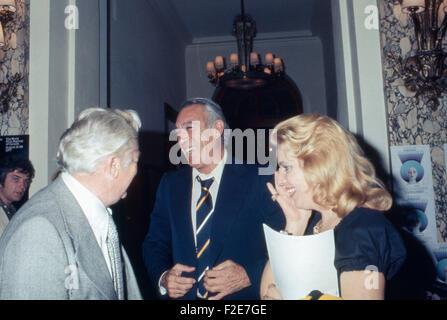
(49, 251)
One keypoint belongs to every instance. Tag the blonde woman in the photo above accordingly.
(325, 182)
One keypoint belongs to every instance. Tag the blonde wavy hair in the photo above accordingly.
(334, 165)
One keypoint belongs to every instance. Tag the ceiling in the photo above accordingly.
(213, 18)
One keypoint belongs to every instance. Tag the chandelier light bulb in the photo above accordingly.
(234, 60)
(269, 59)
(219, 63)
(210, 69)
(254, 59)
(278, 65)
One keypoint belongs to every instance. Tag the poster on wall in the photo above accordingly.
(414, 192)
(441, 253)
(413, 187)
(14, 145)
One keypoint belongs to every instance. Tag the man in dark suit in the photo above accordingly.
(205, 239)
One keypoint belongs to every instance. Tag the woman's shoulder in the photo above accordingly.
(364, 218)
(366, 237)
(365, 225)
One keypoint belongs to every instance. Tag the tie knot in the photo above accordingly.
(205, 183)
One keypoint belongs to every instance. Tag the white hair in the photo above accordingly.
(96, 134)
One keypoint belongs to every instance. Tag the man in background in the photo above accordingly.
(16, 174)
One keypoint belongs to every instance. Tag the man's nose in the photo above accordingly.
(181, 136)
(181, 139)
(280, 175)
(22, 184)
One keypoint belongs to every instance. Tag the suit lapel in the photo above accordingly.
(231, 197)
(87, 251)
(182, 212)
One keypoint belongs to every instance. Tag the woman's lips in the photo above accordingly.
(291, 191)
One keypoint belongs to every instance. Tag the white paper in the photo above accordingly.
(301, 264)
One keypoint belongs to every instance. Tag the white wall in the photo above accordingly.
(302, 56)
(90, 50)
(68, 69)
(60, 84)
(65, 76)
(39, 90)
(361, 98)
(147, 61)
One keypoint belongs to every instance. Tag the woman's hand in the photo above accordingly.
(296, 219)
(269, 291)
(272, 293)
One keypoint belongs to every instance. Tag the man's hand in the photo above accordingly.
(176, 285)
(226, 278)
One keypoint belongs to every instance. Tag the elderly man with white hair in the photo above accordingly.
(64, 243)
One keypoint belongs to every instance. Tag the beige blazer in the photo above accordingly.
(3, 220)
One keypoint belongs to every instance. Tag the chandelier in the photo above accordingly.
(426, 72)
(245, 70)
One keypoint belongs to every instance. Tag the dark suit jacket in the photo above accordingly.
(242, 205)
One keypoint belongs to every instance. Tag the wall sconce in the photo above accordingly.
(426, 72)
(7, 11)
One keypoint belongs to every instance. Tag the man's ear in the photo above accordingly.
(113, 165)
(219, 126)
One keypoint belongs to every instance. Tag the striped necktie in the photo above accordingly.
(203, 230)
(114, 250)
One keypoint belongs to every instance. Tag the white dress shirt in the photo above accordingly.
(97, 214)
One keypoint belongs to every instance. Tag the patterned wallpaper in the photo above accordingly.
(14, 59)
(410, 122)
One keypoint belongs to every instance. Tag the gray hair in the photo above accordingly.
(96, 134)
(213, 110)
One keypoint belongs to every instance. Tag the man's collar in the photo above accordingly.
(10, 207)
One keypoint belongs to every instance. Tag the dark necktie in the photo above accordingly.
(203, 230)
